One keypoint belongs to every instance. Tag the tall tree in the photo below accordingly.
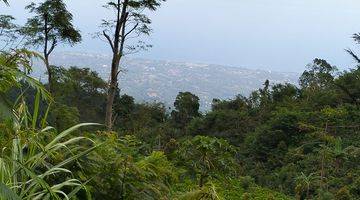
(51, 25)
(9, 32)
(319, 75)
(129, 22)
(186, 108)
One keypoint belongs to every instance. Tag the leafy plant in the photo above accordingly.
(206, 156)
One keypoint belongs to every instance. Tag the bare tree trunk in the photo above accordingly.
(117, 47)
(47, 52)
(48, 68)
(112, 92)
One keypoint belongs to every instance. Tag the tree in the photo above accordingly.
(120, 171)
(124, 108)
(319, 75)
(338, 153)
(14, 69)
(129, 22)
(239, 103)
(206, 157)
(317, 84)
(80, 88)
(9, 31)
(51, 25)
(186, 108)
(229, 124)
(349, 85)
(284, 92)
(305, 182)
(25, 169)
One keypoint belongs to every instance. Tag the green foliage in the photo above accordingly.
(11, 75)
(348, 84)
(318, 84)
(121, 171)
(209, 192)
(34, 161)
(288, 141)
(15, 67)
(137, 20)
(30, 167)
(205, 157)
(282, 94)
(186, 108)
(9, 31)
(281, 142)
(243, 188)
(50, 26)
(82, 89)
(62, 116)
(52, 22)
(319, 75)
(124, 108)
(225, 123)
(343, 194)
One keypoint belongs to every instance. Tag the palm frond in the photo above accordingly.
(7, 193)
(6, 2)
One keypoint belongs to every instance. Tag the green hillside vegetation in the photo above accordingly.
(281, 142)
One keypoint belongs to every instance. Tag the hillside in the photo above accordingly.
(151, 80)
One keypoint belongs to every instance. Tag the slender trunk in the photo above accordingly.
(46, 53)
(117, 48)
(112, 92)
(48, 68)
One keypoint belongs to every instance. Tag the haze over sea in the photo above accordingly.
(277, 35)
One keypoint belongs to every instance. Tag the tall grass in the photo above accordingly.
(35, 165)
(35, 162)
(29, 164)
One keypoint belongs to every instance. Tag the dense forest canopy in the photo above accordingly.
(79, 137)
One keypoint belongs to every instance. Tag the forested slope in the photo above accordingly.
(78, 136)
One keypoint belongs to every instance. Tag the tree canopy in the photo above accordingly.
(283, 141)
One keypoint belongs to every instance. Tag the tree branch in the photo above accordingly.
(109, 40)
(134, 28)
(355, 57)
(122, 42)
(53, 45)
(346, 91)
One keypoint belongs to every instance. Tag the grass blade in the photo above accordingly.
(7, 193)
(36, 110)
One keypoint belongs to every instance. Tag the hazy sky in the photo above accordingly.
(282, 35)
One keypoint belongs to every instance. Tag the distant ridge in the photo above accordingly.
(161, 81)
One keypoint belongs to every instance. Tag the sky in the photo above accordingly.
(278, 35)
